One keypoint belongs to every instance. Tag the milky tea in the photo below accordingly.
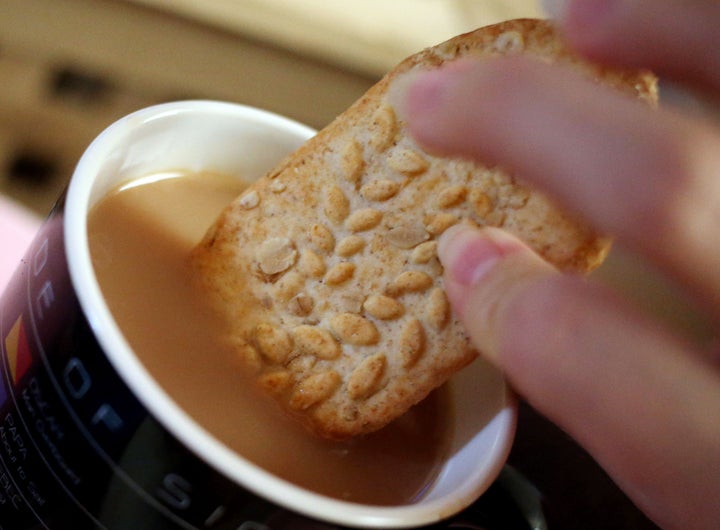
(140, 237)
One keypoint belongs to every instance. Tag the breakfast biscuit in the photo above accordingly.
(326, 268)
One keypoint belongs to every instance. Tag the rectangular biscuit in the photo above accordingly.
(326, 268)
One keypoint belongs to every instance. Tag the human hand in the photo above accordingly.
(642, 400)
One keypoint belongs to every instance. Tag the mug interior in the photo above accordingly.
(234, 139)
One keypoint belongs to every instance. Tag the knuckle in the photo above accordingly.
(542, 319)
(683, 202)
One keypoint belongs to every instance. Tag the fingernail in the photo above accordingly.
(421, 97)
(554, 9)
(468, 254)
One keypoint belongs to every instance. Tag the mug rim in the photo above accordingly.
(164, 409)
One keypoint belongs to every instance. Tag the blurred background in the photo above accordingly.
(69, 68)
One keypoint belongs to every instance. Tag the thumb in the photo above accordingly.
(642, 402)
(486, 271)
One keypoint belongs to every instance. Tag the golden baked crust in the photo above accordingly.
(326, 268)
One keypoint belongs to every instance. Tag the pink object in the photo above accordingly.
(17, 229)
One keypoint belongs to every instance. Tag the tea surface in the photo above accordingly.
(140, 238)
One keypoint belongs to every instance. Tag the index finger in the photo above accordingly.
(649, 177)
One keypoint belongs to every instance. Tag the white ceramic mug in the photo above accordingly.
(99, 442)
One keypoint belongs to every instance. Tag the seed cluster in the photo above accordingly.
(336, 292)
(381, 196)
